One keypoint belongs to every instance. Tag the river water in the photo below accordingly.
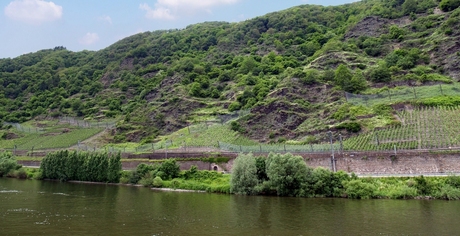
(30, 207)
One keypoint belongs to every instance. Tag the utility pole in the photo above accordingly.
(332, 151)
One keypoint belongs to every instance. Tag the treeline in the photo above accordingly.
(167, 174)
(288, 175)
(81, 166)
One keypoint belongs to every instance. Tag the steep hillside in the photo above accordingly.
(290, 68)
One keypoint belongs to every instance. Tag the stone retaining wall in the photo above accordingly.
(359, 163)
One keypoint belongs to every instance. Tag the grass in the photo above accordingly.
(201, 135)
(403, 94)
(51, 136)
(425, 128)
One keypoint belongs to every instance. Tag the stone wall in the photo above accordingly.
(360, 163)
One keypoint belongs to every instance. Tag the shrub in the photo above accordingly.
(170, 169)
(157, 182)
(449, 5)
(402, 192)
(353, 127)
(7, 163)
(234, 106)
(357, 189)
(448, 192)
(423, 185)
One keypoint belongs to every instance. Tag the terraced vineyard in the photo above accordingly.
(424, 128)
(50, 135)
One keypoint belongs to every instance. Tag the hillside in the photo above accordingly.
(290, 69)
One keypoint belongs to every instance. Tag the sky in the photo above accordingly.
(32, 25)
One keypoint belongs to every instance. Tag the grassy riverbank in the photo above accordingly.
(278, 174)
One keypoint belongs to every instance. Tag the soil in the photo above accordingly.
(371, 26)
(284, 115)
(10, 136)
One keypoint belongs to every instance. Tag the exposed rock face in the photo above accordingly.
(371, 26)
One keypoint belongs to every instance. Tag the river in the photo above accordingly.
(30, 207)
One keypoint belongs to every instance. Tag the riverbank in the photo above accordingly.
(417, 187)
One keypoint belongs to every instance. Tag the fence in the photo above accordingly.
(403, 94)
(309, 148)
(87, 124)
(25, 129)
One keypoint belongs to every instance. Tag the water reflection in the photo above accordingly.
(53, 208)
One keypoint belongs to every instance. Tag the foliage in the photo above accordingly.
(449, 5)
(353, 127)
(82, 166)
(7, 163)
(357, 189)
(287, 173)
(244, 175)
(155, 81)
(170, 169)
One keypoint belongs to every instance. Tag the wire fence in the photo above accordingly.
(25, 129)
(87, 124)
(264, 148)
(403, 94)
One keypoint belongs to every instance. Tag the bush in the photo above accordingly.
(449, 5)
(170, 169)
(357, 189)
(157, 182)
(402, 192)
(448, 192)
(234, 106)
(353, 127)
(7, 163)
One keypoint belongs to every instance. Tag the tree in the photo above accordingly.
(357, 83)
(409, 6)
(380, 73)
(396, 33)
(287, 173)
(114, 169)
(244, 175)
(170, 169)
(342, 76)
(449, 5)
(7, 163)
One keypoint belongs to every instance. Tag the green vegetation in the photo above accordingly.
(288, 68)
(7, 163)
(82, 166)
(50, 135)
(167, 175)
(288, 175)
(424, 128)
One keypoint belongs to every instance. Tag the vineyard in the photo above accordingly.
(425, 128)
(403, 94)
(47, 135)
